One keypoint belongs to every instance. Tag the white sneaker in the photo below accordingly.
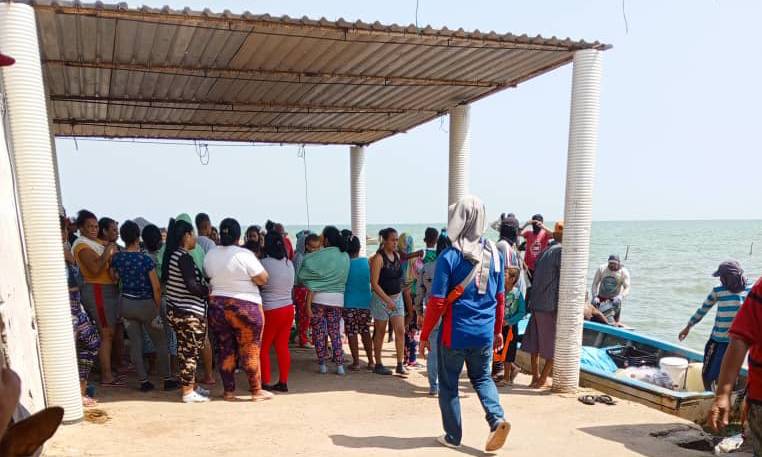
(443, 441)
(497, 437)
(202, 391)
(194, 397)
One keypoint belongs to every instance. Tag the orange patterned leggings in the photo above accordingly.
(237, 324)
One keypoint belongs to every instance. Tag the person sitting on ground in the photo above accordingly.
(85, 333)
(611, 284)
(324, 273)
(186, 294)
(357, 296)
(540, 337)
(99, 293)
(204, 229)
(140, 305)
(236, 316)
(278, 304)
(728, 296)
(387, 304)
(745, 335)
(468, 294)
(537, 239)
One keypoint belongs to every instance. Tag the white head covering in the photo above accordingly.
(466, 226)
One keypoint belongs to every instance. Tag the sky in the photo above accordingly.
(679, 128)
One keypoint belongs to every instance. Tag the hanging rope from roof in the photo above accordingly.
(202, 151)
(302, 154)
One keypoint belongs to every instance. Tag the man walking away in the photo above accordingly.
(468, 294)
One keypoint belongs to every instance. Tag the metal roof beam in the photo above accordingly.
(219, 128)
(275, 108)
(265, 75)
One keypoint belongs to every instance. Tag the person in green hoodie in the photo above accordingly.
(324, 273)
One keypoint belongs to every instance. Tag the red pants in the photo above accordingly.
(277, 330)
(303, 324)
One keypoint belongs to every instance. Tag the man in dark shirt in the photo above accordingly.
(540, 337)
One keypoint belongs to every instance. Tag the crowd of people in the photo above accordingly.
(191, 292)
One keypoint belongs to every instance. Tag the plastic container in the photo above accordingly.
(628, 356)
(676, 368)
(693, 380)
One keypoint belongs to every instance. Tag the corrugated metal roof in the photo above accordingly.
(179, 74)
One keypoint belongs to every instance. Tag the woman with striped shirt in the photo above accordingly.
(728, 296)
(186, 294)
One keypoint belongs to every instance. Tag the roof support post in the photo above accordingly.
(38, 201)
(580, 174)
(460, 153)
(358, 188)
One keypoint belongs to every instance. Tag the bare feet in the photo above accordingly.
(228, 396)
(541, 384)
(209, 381)
(355, 366)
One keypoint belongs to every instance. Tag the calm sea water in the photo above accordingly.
(670, 264)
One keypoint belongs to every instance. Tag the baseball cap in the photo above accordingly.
(728, 266)
(538, 217)
(614, 258)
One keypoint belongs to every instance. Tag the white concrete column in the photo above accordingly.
(358, 188)
(38, 201)
(460, 153)
(580, 176)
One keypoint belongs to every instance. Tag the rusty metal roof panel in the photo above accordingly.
(113, 71)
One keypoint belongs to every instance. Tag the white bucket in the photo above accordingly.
(676, 368)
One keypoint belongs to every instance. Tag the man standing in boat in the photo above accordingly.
(611, 284)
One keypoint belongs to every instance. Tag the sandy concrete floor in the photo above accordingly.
(360, 414)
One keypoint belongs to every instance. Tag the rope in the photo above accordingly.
(202, 150)
(302, 154)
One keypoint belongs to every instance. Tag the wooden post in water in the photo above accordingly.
(627, 252)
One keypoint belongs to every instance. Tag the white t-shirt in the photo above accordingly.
(277, 292)
(230, 269)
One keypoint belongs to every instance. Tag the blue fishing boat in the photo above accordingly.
(612, 358)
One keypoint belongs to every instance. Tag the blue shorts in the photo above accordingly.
(379, 311)
(714, 351)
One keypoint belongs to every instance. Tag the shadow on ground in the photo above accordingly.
(396, 443)
(637, 438)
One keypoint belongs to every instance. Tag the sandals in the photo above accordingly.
(593, 399)
(605, 399)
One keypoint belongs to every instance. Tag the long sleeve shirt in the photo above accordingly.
(473, 319)
(728, 304)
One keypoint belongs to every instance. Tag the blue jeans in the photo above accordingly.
(478, 363)
(432, 367)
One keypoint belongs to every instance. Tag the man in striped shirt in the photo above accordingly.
(745, 336)
(728, 296)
